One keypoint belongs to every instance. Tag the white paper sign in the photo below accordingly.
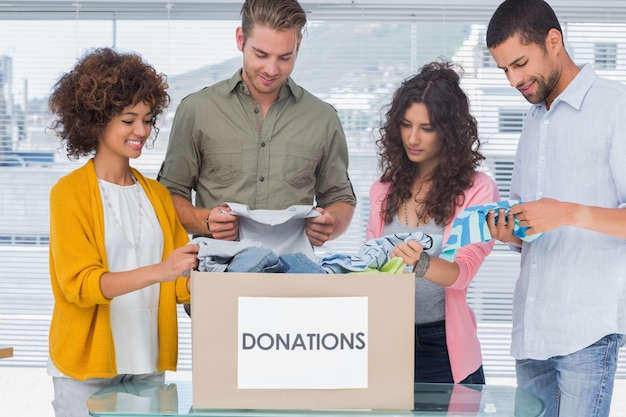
(302, 343)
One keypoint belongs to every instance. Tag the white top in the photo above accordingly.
(134, 316)
(282, 231)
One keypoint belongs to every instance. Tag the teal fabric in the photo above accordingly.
(470, 226)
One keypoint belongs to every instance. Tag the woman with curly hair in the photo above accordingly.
(429, 157)
(118, 252)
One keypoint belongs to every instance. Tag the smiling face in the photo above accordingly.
(534, 71)
(421, 141)
(125, 134)
(269, 57)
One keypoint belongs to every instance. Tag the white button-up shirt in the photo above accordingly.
(572, 285)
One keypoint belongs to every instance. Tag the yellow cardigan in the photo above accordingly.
(80, 339)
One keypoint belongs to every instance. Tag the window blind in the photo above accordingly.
(353, 55)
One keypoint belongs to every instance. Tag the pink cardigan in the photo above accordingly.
(461, 330)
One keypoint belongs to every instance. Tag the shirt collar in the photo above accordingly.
(290, 87)
(575, 92)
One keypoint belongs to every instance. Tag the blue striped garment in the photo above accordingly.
(374, 253)
(470, 226)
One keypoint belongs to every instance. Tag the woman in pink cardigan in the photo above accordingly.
(428, 158)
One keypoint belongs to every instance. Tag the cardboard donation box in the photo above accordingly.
(302, 341)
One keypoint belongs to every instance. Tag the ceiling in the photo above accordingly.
(420, 10)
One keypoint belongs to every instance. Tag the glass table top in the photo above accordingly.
(148, 399)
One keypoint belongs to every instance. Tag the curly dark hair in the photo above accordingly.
(437, 86)
(100, 86)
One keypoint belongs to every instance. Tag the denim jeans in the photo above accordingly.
(298, 263)
(432, 363)
(575, 385)
(254, 260)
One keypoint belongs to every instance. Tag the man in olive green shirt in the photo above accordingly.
(258, 138)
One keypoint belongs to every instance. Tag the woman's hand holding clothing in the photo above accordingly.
(181, 260)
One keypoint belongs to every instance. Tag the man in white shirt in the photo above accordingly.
(569, 306)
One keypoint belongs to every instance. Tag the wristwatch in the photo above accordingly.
(421, 266)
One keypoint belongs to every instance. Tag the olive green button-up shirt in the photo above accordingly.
(222, 148)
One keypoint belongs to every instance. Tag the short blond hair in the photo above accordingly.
(274, 14)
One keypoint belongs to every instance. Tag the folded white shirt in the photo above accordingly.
(282, 231)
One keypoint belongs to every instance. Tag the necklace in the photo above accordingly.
(420, 218)
(117, 221)
(406, 213)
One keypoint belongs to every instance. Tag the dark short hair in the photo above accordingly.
(531, 19)
(275, 14)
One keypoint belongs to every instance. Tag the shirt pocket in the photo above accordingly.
(224, 161)
(300, 165)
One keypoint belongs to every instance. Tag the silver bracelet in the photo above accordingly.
(421, 266)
